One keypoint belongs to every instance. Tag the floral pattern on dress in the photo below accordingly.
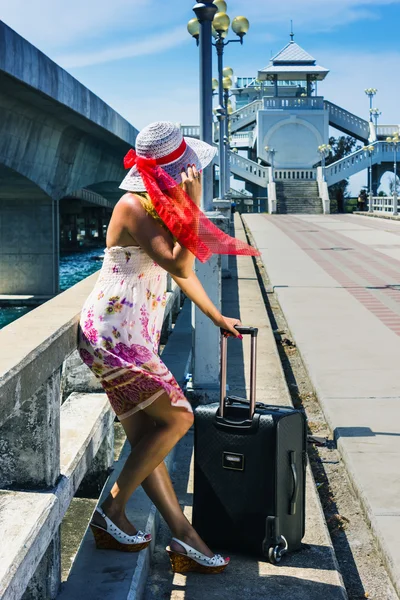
(120, 328)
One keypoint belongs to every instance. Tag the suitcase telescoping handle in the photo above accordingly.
(253, 331)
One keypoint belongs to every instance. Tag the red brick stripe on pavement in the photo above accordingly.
(311, 245)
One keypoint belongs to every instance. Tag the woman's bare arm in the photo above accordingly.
(193, 289)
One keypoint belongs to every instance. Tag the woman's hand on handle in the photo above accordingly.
(228, 324)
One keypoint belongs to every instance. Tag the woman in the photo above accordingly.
(155, 228)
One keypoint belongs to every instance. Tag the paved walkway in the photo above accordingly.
(310, 574)
(337, 278)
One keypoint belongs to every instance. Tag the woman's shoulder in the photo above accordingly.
(129, 202)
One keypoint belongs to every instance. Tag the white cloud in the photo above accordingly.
(149, 45)
(316, 14)
(55, 23)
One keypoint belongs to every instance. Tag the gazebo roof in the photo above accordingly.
(293, 62)
(293, 53)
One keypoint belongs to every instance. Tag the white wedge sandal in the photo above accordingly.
(193, 560)
(113, 538)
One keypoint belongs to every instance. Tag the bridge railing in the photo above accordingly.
(56, 431)
(347, 120)
(387, 130)
(357, 161)
(242, 139)
(306, 103)
(295, 174)
(191, 131)
(243, 167)
(245, 115)
(385, 204)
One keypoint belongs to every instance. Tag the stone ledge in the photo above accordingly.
(30, 520)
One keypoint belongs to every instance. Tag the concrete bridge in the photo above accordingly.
(57, 140)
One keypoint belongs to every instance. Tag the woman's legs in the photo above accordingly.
(141, 427)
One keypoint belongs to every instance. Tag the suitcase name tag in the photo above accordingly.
(231, 460)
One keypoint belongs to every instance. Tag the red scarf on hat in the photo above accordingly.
(181, 215)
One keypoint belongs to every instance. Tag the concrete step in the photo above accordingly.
(299, 202)
(297, 196)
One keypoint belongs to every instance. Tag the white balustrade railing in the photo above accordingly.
(191, 130)
(242, 139)
(248, 169)
(306, 103)
(385, 204)
(295, 174)
(245, 115)
(358, 161)
(387, 130)
(343, 119)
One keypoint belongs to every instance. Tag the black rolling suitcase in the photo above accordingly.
(249, 471)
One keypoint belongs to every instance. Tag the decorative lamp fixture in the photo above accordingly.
(227, 71)
(221, 5)
(221, 22)
(219, 30)
(240, 26)
(214, 84)
(193, 28)
(217, 35)
(370, 93)
(227, 83)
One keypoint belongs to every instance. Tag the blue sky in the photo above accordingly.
(138, 57)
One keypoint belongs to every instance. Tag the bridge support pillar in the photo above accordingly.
(29, 248)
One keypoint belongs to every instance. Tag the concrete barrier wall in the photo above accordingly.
(53, 422)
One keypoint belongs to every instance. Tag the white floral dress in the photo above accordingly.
(120, 328)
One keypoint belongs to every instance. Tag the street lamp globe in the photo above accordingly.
(235, 150)
(221, 5)
(221, 22)
(217, 35)
(227, 83)
(214, 84)
(240, 26)
(193, 28)
(227, 71)
(229, 110)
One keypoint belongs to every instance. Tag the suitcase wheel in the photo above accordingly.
(275, 553)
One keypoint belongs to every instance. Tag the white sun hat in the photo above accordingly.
(164, 141)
